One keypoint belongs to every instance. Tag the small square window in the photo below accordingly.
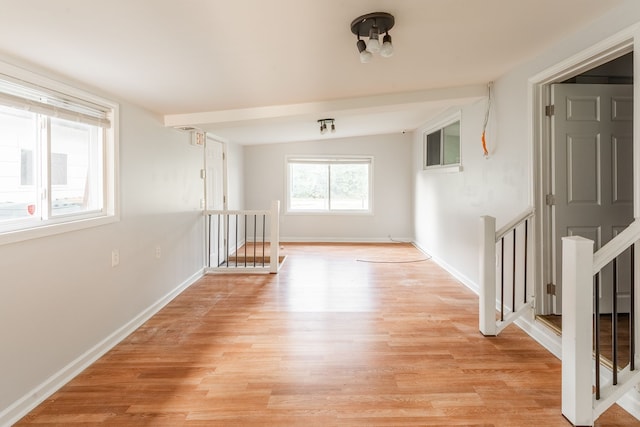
(442, 146)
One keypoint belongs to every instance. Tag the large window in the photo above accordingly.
(341, 184)
(57, 158)
(442, 146)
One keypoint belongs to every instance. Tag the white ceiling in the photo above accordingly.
(264, 71)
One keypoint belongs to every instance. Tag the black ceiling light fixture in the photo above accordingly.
(372, 25)
(323, 125)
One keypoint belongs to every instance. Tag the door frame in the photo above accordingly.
(211, 139)
(539, 94)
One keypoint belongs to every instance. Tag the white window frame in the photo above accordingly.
(439, 126)
(329, 159)
(110, 212)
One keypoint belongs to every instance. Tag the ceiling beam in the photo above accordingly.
(374, 103)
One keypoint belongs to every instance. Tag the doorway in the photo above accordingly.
(584, 166)
(591, 173)
(215, 196)
(584, 162)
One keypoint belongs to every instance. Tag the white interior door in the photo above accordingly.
(215, 197)
(592, 180)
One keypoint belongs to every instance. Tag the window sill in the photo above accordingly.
(443, 169)
(53, 229)
(330, 213)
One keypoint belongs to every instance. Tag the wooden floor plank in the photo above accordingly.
(339, 338)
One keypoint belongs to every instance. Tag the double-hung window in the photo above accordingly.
(329, 184)
(57, 158)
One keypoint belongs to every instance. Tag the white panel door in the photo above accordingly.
(592, 178)
(215, 197)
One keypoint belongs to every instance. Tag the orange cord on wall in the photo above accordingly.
(486, 121)
(484, 145)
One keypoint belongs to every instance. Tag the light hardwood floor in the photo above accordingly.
(330, 341)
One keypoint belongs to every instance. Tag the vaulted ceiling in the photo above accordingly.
(264, 71)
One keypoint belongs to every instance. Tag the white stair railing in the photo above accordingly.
(237, 240)
(588, 388)
(506, 250)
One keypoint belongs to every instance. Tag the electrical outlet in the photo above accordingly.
(115, 257)
(158, 252)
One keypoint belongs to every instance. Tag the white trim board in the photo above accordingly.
(40, 393)
(346, 240)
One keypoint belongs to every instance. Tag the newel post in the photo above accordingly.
(577, 330)
(274, 247)
(487, 276)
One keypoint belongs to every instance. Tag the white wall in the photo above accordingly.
(392, 210)
(59, 295)
(448, 206)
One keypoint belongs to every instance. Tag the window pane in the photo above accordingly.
(76, 167)
(451, 143)
(59, 169)
(18, 136)
(309, 186)
(26, 167)
(433, 148)
(350, 186)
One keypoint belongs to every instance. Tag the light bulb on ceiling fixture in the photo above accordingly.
(333, 127)
(365, 55)
(387, 48)
(373, 45)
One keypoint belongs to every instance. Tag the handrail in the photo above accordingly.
(490, 240)
(274, 238)
(616, 246)
(506, 229)
(236, 212)
(580, 320)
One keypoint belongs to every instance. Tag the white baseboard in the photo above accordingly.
(345, 239)
(39, 394)
(455, 273)
(542, 334)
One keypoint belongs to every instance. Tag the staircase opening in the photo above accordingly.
(554, 322)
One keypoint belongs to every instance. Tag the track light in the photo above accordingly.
(323, 125)
(372, 25)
